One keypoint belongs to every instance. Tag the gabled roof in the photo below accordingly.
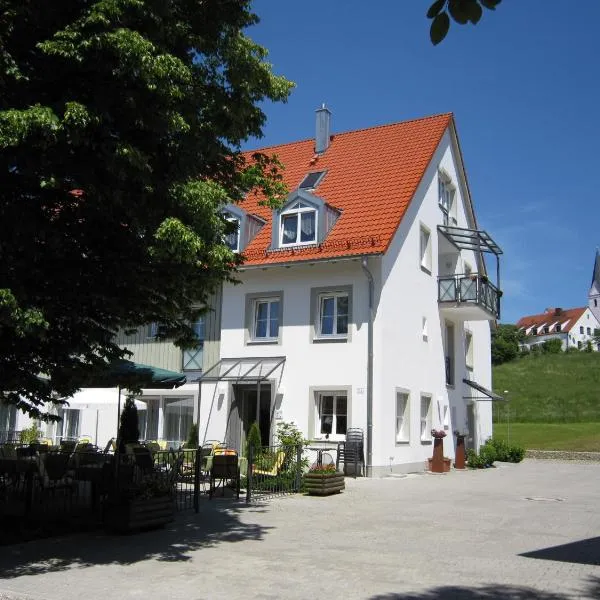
(571, 315)
(372, 176)
(596, 273)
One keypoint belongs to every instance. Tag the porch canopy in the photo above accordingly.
(470, 239)
(250, 370)
(243, 370)
(487, 394)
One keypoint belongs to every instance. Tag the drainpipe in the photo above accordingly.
(371, 284)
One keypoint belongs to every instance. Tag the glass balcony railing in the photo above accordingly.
(472, 289)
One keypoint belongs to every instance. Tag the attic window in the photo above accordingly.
(311, 181)
(232, 239)
(298, 225)
(558, 327)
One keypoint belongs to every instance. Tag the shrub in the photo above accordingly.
(31, 434)
(535, 349)
(553, 346)
(572, 350)
(129, 431)
(290, 437)
(506, 453)
(192, 441)
(474, 460)
(525, 351)
(487, 454)
(254, 439)
(515, 454)
(588, 346)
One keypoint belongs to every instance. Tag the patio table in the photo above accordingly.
(242, 464)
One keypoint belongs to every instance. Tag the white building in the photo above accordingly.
(364, 302)
(574, 327)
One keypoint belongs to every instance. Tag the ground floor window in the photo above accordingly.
(332, 415)
(402, 417)
(425, 418)
(8, 421)
(68, 426)
(178, 419)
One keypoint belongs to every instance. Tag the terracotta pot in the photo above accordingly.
(460, 458)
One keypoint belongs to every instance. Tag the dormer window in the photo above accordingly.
(298, 225)
(232, 239)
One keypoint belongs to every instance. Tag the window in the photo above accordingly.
(581, 330)
(449, 353)
(192, 357)
(534, 331)
(446, 200)
(558, 328)
(233, 239)
(312, 180)
(425, 250)
(332, 415)
(333, 314)
(424, 329)
(546, 329)
(402, 417)
(178, 419)
(266, 319)
(298, 225)
(8, 422)
(595, 302)
(425, 418)
(589, 331)
(68, 427)
(469, 349)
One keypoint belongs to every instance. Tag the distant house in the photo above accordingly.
(574, 327)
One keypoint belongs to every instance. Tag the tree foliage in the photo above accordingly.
(120, 128)
(553, 346)
(505, 343)
(461, 11)
(129, 430)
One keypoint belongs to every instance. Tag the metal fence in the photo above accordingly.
(273, 471)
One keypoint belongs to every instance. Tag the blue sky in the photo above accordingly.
(525, 90)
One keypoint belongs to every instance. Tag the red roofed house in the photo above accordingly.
(573, 326)
(365, 301)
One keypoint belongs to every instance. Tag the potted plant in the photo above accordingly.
(146, 504)
(323, 480)
(438, 463)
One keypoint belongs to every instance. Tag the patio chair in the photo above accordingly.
(143, 459)
(224, 468)
(275, 469)
(111, 446)
(54, 472)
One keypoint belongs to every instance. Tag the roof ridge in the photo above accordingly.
(351, 131)
(552, 314)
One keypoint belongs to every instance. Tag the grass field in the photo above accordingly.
(549, 388)
(551, 436)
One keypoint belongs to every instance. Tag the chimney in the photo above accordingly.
(322, 130)
(558, 311)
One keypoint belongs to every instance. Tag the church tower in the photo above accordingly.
(594, 293)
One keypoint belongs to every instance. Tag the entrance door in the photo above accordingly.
(471, 425)
(248, 411)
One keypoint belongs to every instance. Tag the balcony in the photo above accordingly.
(469, 297)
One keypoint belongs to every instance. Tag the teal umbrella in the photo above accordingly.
(126, 372)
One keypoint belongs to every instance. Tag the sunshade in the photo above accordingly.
(126, 373)
(487, 394)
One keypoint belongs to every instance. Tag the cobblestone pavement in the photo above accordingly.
(528, 531)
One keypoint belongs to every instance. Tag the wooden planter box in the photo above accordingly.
(324, 484)
(446, 467)
(139, 513)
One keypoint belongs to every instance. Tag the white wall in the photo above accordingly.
(405, 360)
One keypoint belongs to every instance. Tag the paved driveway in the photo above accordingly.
(529, 531)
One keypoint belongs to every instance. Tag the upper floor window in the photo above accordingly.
(232, 239)
(558, 328)
(192, 357)
(425, 248)
(581, 329)
(333, 314)
(589, 331)
(298, 225)
(446, 199)
(266, 319)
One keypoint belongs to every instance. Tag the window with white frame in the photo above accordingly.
(232, 239)
(331, 415)
(333, 314)
(446, 199)
(425, 248)
(265, 325)
(424, 331)
(402, 417)
(68, 427)
(425, 418)
(298, 225)
(8, 421)
(469, 349)
(449, 353)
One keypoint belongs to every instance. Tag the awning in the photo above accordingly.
(487, 394)
(98, 399)
(470, 239)
(243, 370)
(125, 373)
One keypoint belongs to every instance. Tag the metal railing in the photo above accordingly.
(273, 471)
(471, 289)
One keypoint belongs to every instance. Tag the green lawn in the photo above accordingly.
(551, 436)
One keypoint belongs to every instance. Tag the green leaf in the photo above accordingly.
(459, 10)
(435, 8)
(475, 12)
(439, 28)
(490, 4)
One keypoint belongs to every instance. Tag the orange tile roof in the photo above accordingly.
(372, 176)
(549, 316)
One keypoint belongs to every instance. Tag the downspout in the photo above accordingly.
(371, 284)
